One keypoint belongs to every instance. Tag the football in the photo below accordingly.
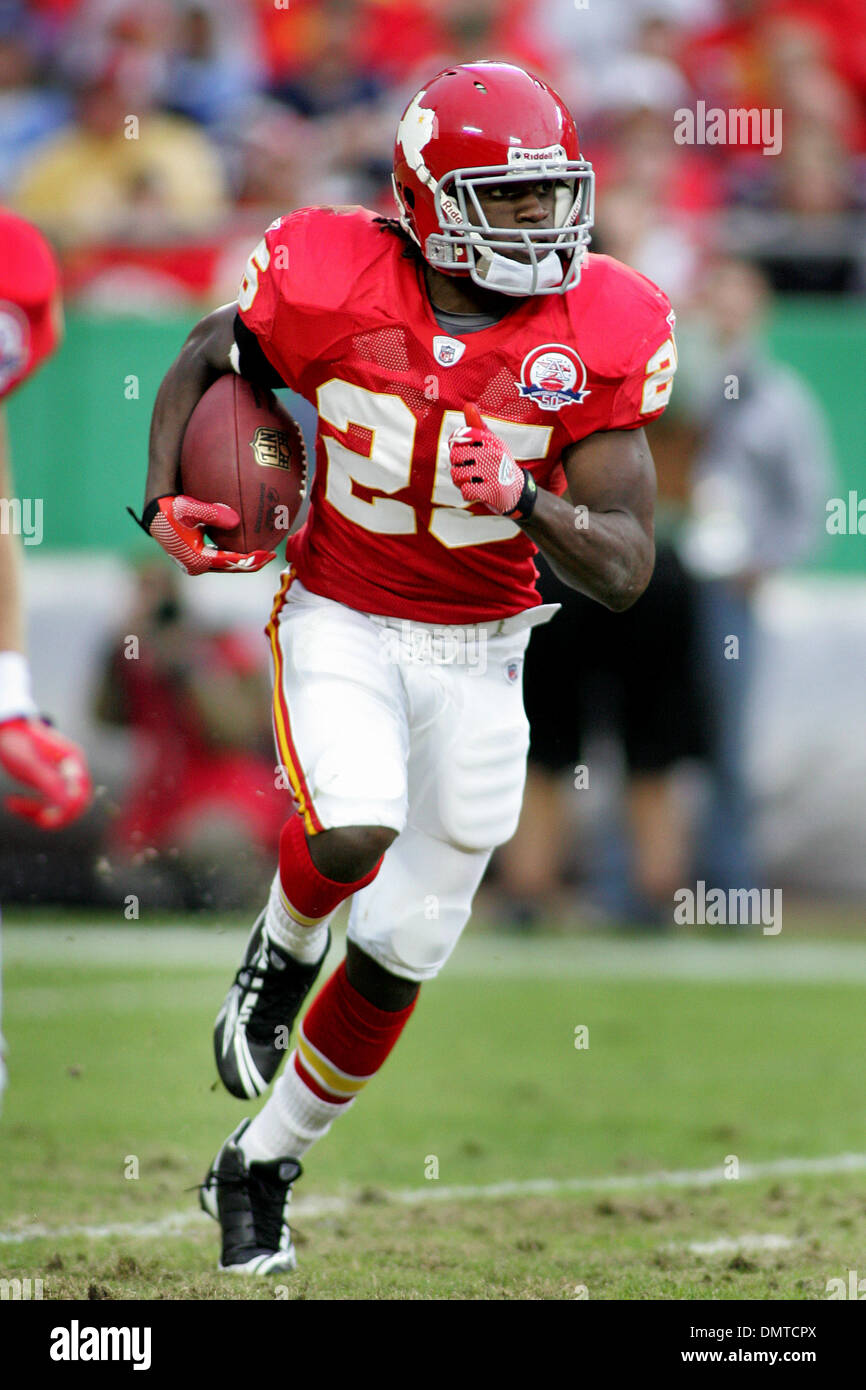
(243, 448)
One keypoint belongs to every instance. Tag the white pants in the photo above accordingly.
(419, 727)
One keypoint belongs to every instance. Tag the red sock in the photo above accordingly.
(310, 894)
(344, 1040)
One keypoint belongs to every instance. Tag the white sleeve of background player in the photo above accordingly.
(16, 697)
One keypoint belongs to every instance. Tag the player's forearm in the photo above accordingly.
(11, 626)
(606, 555)
(182, 388)
(203, 358)
(11, 622)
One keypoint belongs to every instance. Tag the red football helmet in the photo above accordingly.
(483, 124)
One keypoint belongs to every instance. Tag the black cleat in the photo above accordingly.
(251, 1203)
(252, 1028)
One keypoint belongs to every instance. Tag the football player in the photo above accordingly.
(481, 383)
(52, 768)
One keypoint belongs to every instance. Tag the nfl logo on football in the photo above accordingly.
(271, 448)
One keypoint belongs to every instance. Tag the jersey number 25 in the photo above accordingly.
(388, 466)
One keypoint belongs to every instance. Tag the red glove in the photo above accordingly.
(32, 752)
(484, 470)
(178, 524)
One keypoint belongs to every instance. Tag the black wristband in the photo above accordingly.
(145, 521)
(527, 499)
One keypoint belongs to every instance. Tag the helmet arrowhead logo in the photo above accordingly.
(414, 132)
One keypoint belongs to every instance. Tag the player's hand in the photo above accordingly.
(178, 523)
(483, 468)
(34, 753)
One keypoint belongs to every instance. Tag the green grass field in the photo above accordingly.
(564, 1171)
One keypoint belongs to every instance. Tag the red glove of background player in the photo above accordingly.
(34, 753)
(178, 524)
(482, 466)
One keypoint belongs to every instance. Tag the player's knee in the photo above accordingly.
(377, 985)
(349, 852)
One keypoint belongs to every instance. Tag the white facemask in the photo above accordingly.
(515, 277)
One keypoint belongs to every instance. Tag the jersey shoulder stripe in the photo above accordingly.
(621, 313)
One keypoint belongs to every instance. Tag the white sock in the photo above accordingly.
(304, 944)
(291, 1121)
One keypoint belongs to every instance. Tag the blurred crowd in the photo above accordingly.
(152, 141)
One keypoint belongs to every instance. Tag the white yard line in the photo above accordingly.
(746, 955)
(314, 1208)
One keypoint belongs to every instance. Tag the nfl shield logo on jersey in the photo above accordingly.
(512, 670)
(553, 376)
(447, 351)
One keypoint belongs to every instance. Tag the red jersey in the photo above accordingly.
(344, 317)
(29, 301)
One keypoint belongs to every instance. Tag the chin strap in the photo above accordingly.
(517, 277)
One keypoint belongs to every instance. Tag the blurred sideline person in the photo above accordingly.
(104, 179)
(762, 476)
(632, 677)
(202, 798)
(31, 752)
(743, 482)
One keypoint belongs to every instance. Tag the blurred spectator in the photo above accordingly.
(336, 74)
(215, 64)
(761, 480)
(30, 111)
(202, 799)
(581, 43)
(278, 160)
(631, 680)
(744, 473)
(124, 172)
(383, 41)
(655, 197)
(644, 234)
(805, 55)
(814, 174)
(804, 81)
(362, 62)
(654, 200)
(807, 220)
(340, 145)
(135, 40)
